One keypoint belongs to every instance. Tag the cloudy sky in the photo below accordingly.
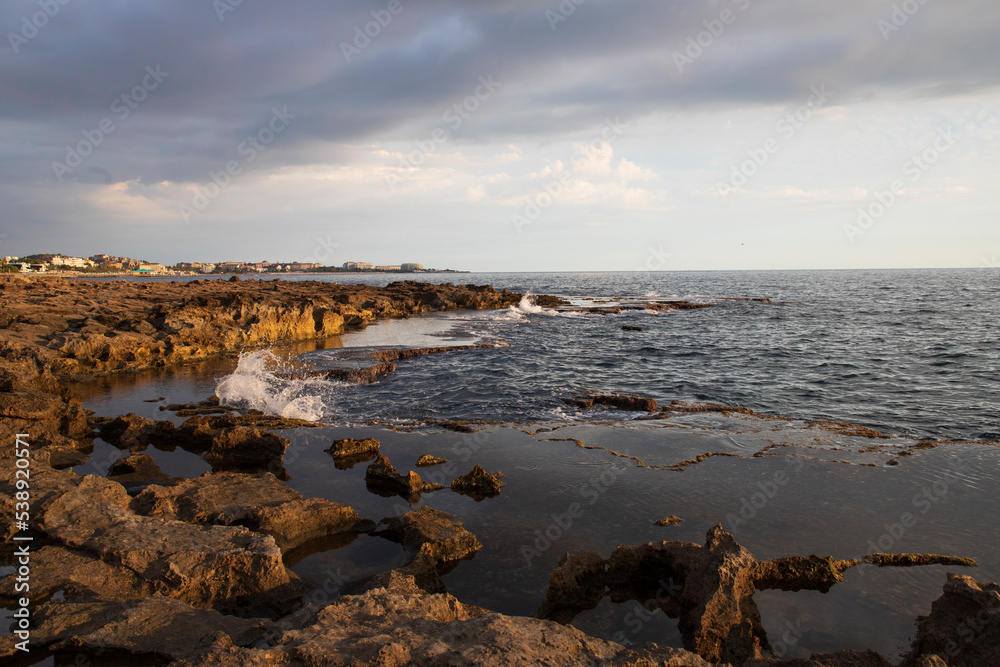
(504, 134)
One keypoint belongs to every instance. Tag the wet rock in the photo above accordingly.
(137, 471)
(259, 502)
(628, 402)
(154, 627)
(351, 448)
(670, 521)
(456, 426)
(797, 573)
(135, 433)
(428, 461)
(246, 448)
(709, 589)
(628, 328)
(439, 534)
(963, 627)
(913, 560)
(382, 477)
(479, 484)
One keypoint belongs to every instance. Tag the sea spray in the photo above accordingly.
(257, 384)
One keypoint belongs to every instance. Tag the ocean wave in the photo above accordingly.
(257, 384)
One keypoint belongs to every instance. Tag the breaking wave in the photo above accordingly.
(257, 384)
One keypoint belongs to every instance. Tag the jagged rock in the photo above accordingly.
(259, 502)
(427, 461)
(963, 627)
(351, 448)
(671, 520)
(709, 589)
(157, 626)
(382, 477)
(479, 484)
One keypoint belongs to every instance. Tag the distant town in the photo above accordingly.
(111, 265)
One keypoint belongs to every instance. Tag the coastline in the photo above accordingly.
(62, 336)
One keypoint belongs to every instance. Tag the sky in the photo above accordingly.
(504, 135)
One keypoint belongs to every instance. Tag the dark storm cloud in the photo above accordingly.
(226, 75)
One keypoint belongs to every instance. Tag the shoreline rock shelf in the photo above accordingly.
(194, 570)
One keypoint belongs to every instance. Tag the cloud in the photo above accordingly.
(357, 116)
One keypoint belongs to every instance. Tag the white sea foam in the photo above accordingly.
(256, 384)
(527, 306)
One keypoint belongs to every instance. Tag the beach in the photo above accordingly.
(623, 472)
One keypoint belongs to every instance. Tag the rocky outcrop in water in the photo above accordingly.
(710, 591)
(382, 478)
(479, 484)
(350, 448)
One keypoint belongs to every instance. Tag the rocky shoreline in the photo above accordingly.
(145, 567)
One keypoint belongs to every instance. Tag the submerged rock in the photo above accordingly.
(479, 484)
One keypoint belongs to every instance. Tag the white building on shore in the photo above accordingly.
(75, 262)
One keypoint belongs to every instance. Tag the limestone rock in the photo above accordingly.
(260, 502)
(382, 477)
(350, 447)
(156, 626)
(963, 627)
(479, 484)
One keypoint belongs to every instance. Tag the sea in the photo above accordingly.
(913, 355)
